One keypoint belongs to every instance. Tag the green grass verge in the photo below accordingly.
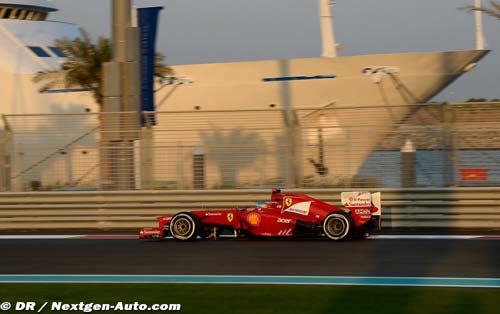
(264, 299)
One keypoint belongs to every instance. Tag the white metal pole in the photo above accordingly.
(134, 16)
(479, 26)
(327, 28)
(121, 21)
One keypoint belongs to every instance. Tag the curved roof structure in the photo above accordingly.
(38, 4)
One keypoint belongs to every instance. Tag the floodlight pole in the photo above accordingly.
(120, 123)
(122, 19)
(327, 29)
(479, 26)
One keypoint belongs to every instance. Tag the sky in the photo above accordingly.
(203, 31)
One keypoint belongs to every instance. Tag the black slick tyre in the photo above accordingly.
(337, 226)
(185, 226)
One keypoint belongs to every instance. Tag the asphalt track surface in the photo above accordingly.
(462, 258)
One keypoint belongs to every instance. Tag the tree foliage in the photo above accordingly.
(492, 10)
(83, 65)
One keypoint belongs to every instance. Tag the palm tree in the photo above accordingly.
(493, 10)
(83, 69)
(83, 66)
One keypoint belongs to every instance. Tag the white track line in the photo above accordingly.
(266, 280)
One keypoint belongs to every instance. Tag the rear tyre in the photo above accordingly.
(185, 227)
(337, 226)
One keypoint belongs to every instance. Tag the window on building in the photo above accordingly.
(17, 14)
(22, 15)
(13, 14)
(39, 51)
(7, 13)
(57, 52)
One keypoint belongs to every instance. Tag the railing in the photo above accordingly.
(333, 146)
(405, 208)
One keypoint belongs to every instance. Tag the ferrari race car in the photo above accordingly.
(286, 215)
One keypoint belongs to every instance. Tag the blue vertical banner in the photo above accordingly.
(147, 19)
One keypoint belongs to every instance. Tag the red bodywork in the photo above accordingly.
(285, 215)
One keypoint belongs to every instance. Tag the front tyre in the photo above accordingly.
(185, 227)
(337, 226)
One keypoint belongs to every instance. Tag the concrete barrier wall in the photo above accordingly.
(407, 208)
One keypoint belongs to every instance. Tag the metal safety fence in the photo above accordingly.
(335, 146)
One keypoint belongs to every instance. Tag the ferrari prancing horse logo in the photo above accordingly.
(230, 217)
(288, 202)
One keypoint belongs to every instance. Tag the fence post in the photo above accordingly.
(5, 168)
(199, 160)
(147, 155)
(408, 159)
(291, 129)
(292, 179)
(449, 150)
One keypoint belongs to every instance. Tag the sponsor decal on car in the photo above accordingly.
(213, 214)
(299, 208)
(253, 219)
(230, 217)
(283, 221)
(288, 202)
(285, 232)
(362, 211)
(356, 199)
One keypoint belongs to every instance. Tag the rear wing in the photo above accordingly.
(362, 199)
(377, 203)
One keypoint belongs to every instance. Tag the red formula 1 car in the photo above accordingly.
(285, 215)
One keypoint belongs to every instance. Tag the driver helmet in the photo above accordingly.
(261, 204)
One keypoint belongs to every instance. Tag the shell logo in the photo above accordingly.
(253, 219)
